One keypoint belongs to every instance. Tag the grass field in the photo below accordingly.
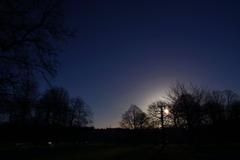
(113, 152)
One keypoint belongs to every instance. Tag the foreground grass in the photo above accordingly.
(126, 152)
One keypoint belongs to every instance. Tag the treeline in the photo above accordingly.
(52, 108)
(28, 52)
(29, 46)
(192, 109)
(189, 114)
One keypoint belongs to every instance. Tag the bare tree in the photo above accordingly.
(234, 111)
(53, 107)
(230, 96)
(214, 107)
(186, 105)
(160, 115)
(80, 113)
(31, 33)
(134, 118)
(23, 102)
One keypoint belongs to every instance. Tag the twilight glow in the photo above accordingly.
(131, 52)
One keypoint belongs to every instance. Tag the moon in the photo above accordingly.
(166, 111)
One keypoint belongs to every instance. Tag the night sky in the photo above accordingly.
(130, 52)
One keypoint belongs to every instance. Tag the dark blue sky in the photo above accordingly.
(131, 52)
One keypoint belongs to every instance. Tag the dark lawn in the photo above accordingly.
(113, 152)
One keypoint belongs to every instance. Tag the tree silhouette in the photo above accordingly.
(159, 115)
(186, 106)
(234, 111)
(188, 111)
(53, 107)
(214, 107)
(31, 34)
(30, 31)
(134, 118)
(24, 102)
(80, 114)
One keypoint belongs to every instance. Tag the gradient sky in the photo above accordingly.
(131, 52)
